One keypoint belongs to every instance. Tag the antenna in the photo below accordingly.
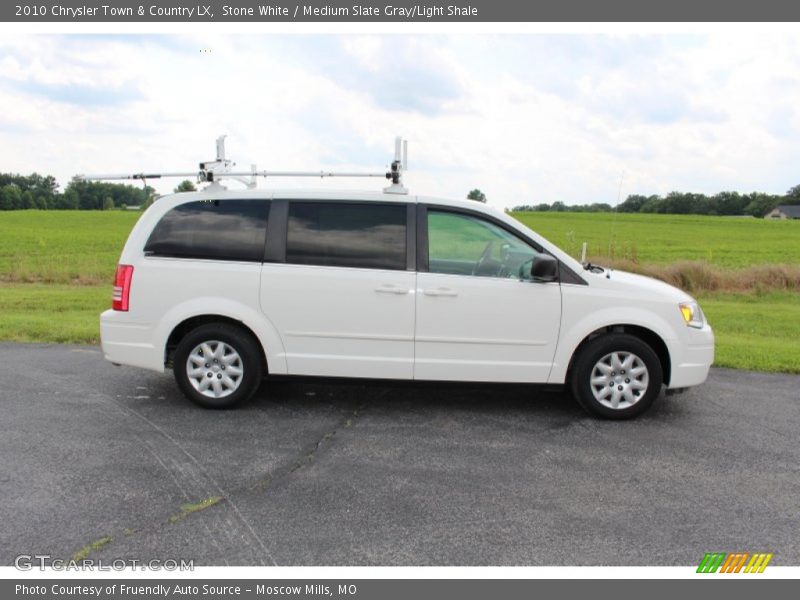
(614, 222)
(212, 171)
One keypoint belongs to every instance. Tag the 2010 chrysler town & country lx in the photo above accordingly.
(227, 286)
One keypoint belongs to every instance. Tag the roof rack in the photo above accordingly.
(213, 171)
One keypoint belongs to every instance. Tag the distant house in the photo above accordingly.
(785, 211)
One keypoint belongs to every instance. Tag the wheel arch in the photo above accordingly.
(189, 324)
(648, 336)
(225, 310)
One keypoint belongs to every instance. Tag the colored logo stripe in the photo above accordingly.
(758, 563)
(733, 562)
(711, 562)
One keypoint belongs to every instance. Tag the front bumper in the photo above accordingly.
(692, 358)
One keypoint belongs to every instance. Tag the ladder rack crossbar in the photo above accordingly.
(221, 168)
(230, 174)
(136, 175)
(304, 174)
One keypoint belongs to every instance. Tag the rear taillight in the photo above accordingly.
(122, 287)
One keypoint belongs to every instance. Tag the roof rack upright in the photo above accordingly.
(213, 171)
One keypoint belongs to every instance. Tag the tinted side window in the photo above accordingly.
(342, 234)
(212, 229)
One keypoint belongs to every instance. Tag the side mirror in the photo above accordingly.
(544, 269)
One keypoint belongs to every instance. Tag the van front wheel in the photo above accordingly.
(217, 365)
(616, 376)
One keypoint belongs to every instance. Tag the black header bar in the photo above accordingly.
(402, 11)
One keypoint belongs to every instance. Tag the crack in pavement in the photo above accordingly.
(309, 451)
(226, 528)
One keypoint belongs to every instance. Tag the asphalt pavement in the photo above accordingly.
(112, 462)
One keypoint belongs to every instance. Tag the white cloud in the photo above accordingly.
(526, 118)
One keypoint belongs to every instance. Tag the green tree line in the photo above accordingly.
(19, 192)
(756, 204)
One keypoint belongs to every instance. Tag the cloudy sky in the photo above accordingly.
(527, 119)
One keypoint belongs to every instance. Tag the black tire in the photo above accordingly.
(600, 347)
(250, 362)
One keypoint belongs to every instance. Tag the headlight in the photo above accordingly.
(692, 314)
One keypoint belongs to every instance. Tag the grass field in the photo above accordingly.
(56, 270)
(76, 247)
(43, 312)
(661, 239)
(758, 332)
(83, 246)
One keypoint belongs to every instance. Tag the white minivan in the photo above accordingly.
(225, 287)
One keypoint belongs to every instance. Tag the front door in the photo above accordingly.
(480, 317)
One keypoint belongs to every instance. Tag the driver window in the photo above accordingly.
(460, 244)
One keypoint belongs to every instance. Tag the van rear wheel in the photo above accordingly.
(217, 365)
(616, 376)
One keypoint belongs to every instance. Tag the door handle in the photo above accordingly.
(391, 289)
(447, 292)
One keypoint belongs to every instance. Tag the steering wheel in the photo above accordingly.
(487, 252)
(505, 259)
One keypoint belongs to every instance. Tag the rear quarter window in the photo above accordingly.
(212, 229)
